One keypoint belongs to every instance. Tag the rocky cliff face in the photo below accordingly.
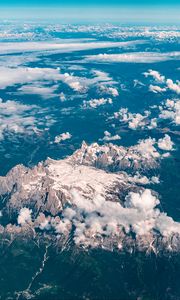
(114, 158)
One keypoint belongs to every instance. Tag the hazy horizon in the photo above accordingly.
(128, 14)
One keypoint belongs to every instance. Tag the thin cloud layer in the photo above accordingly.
(63, 46)
(135, 57)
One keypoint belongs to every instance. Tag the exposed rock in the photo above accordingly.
(78, 199)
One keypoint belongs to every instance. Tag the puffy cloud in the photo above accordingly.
(136, 120)
(63, 227)
(146, 148)
(98, 217)
(165, 143)
(144, 180)
(175, 87)
(24, 216)
(45, 225)
(94, 103)
(135, 57)
(109, 90)
(156, 75)
(171, 110)
(22, 75)
(109, 137)
(144, 201)
(166, 225)
(62, 137)
(156, 89)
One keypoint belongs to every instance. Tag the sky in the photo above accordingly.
(87, 2)
(139, 11)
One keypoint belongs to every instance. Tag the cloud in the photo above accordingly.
(168, 84)
(44, 91)
(45, 225)
(62, 137)
(62, 97)
(136, 120)
(157, 33)
(62, 46)
(109, 90)
(165, 143)
(24, 216)
(138, 83)
(135, 57)
(109, 137)
(22, 75)
(171, 110)
(17, 118)
(94, 103)
(35, 76)
(144, 201)
(156, 75)
(143, 180)
(175, 87)
(156, 89)
(99, 217)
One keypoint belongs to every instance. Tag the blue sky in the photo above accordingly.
(86, 2)
(139, 11)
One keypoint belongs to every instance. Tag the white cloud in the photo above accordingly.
(144, 180)
(143, 202)
(35, 76)
(109, 90)
(168, 84)
(94, 103)
(62, 137)
(135, 57)
(99, 217)
(156, 75)
(147, 150)
(160, 33)
(16, 117)
(109, 137)
(175, 87)
(156, 89)
(22, 75)
(24, 216)
(171, 110)
(45, 225)
(62, 46)
(36, 89)
(165, 143)
(135, 120)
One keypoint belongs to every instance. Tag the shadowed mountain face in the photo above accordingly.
(89, 156)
